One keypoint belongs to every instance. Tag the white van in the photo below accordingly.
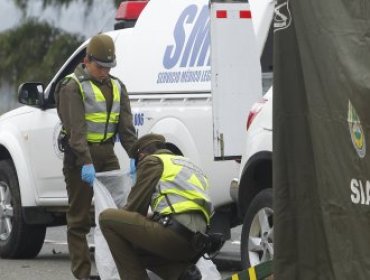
(164, 60)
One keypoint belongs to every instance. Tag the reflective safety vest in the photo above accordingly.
(100, 125)
(182, 188)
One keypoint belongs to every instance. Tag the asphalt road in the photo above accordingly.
(53, 261)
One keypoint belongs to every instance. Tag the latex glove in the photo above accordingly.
(88, 174)
(132, 166)
(133, 170)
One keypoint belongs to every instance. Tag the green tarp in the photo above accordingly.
(321, 139)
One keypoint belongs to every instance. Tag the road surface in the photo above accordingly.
(53, 260)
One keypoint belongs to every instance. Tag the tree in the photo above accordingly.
(23, 4)
(34, 51)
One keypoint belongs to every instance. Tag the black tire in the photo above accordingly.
(17, 239)
(256, 240)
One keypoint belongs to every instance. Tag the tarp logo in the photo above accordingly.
(283, 17)
(356, 131)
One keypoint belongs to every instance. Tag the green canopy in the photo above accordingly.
(321, 138)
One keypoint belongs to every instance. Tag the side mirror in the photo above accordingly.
(31, 94)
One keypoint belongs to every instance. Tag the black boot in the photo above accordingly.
(191, 273)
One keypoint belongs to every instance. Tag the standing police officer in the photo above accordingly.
(93, 107)
(176, 190)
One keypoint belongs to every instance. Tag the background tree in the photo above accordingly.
(34, 51)
(23, 4)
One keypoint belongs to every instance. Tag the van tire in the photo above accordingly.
(256, 240)
(17, 239)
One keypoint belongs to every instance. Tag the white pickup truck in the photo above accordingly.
(164, 60)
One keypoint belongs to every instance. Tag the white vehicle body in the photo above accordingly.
(182, 111)
(252, 191)
(164, 62)
(236, 74)
(259, 133)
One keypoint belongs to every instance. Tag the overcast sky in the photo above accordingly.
(71, 19)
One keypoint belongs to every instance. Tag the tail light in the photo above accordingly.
(256, 108)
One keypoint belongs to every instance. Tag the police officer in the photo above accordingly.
(93, 107)
(176, 190)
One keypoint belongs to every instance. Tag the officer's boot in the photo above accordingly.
(191, 273)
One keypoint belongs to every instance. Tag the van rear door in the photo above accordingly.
(236, 75)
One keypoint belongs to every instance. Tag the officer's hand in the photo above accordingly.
(88, 174)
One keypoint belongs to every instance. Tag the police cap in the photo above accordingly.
(145, 141)
(101, 50)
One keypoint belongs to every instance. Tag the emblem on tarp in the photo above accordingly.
(282, 17)
(357, 133)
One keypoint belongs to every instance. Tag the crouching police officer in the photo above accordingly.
(176, 190)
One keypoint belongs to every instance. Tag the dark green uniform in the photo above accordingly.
(137, 242)
(78, 152)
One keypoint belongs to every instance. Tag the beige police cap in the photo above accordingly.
(101, 50)
(144, 141)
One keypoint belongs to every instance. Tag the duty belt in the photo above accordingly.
(171, 223)
(106, 141)
(210, 243)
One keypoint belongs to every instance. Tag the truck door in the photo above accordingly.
(236, 81)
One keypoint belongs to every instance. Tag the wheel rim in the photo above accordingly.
(6, 211)
(261, 237)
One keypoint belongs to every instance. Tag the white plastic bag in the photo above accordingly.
(110, 190)
(208, 269)
(118, 184)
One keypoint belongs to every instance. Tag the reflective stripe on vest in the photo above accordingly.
(99, 127)
(185, 186)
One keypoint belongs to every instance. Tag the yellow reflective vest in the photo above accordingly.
(182, 188)
(100, 125)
